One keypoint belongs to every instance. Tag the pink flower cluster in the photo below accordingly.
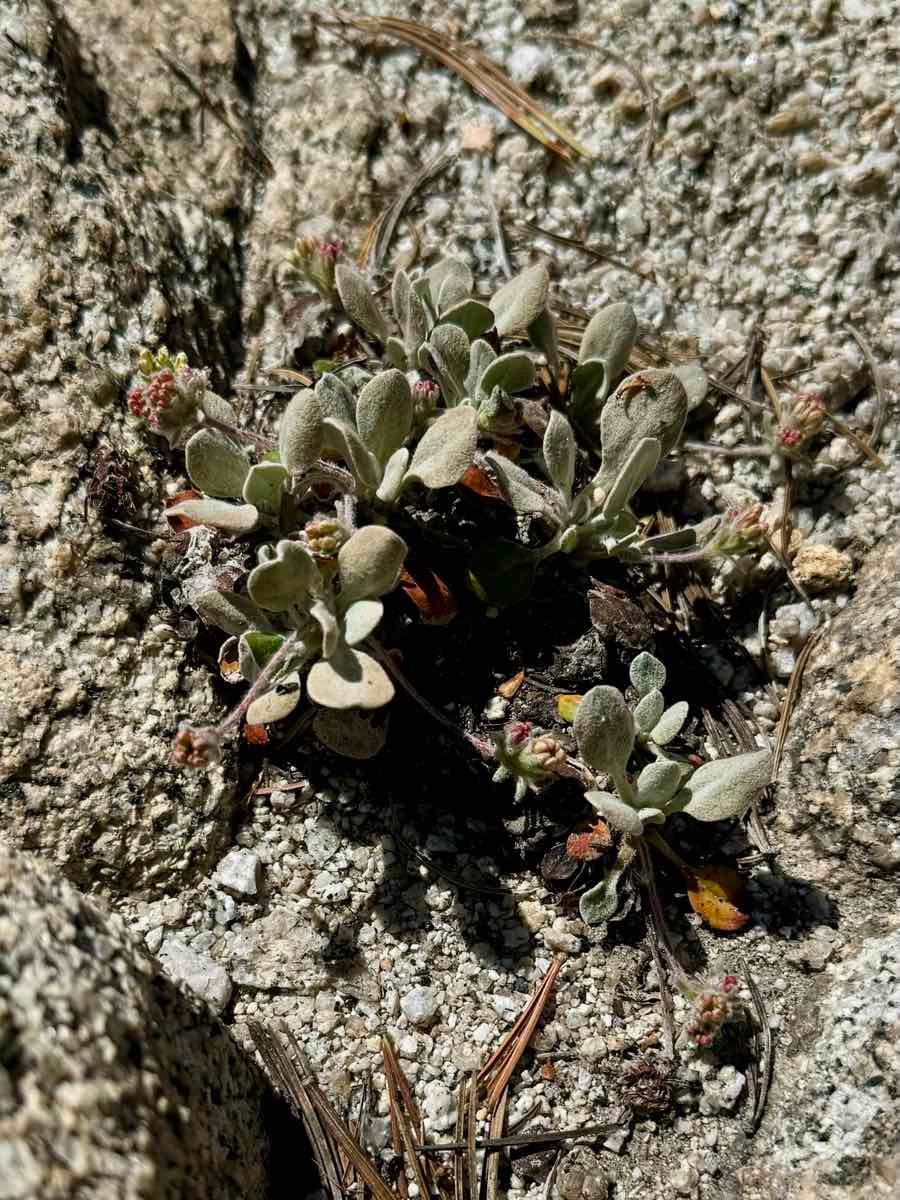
(714, 1008)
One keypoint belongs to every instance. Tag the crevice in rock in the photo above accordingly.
(82, 100)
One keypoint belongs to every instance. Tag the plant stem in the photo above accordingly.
(259, 684)
(485, 749)
(259, 441)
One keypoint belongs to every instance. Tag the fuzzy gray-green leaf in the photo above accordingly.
(647, 673)
(449, 281)
(473, 317)
(521, 300)
(659, 781)
(349, 679)
(231, 613)
(621, 816)
(610, 336)
(369, 564)
(559, 453)
(650, 404)
(604, 730)
(384, 413)
(277, 703)
(589, 386)
(525, 493)
(446, 356)
(670, 723)
(446, 449)
(358, 302)
(512, 372)
(300, 434)
(215, 464)
(725, 787)
(335, 398)
(264, 487)
(649, 710)
(636, 468)
(481, 355)
(284, 581)
(346, 442)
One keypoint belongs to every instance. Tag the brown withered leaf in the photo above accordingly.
(588, 844)
(509, 687)
(432, 597)
(477, 480)
(615, 616)
(256, 735)
(718, 895)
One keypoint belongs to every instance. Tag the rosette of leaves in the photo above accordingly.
(607, 731)
(368, 433)
(331, 613)
(442, 296)
(474, 374)
(640, 423)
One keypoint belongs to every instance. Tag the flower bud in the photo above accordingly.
(314, 262)
(740, 531)
(714, 1008)
(196, 748)
(801, 419)
(325, 536)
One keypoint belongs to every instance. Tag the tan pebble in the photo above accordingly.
(822, 568)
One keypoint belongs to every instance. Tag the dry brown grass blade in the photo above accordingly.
(472, 1138)
(761, 1074)
(515, 1141)
(292, 1077)
(405, 1115)
(481, 73)
(492, 1158)
(369, 239)
(594, 252)
(496, 1073)
(459, 1181)
(387, 222)
(791, 697)
(349, 1146)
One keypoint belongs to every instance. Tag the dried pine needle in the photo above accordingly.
(481, 73)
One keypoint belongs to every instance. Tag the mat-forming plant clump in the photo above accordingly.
(442, 385)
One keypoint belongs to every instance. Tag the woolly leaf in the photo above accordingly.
(648, 711)
(349, 679)
(559, 453)
(610, 336)
(358, 302)
(264, 487)
(521, 300)
(670, 723)
(215, 464)
(322, 612)
(521, 490)
(231, 613)
(542, 335)
(446, 356)
(285, 580)
(695, 382)
(219, 514)
(392, 480)
(620, 815)
(446, 449)
(589, 386)
(335, 398)
(300, 434)
(647, 673)
(512, 372)
(349, 733)
(384, 413)
(659, 781)
(473, 317)
(481, 355)
(650, 404)
(346, 442)
(369, 564)
(599, 903)
(277, 703)
(725, 787)
(449, 281)
(636, 468)
(604, 730)
(361, 619)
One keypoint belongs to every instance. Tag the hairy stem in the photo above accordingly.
(260, 684)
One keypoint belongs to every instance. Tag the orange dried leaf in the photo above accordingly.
(566, 707)
(718, 894)
(431, 596)
(477, 480)
(509, 687)
(256, 735)
(548, 1072)
(588, 844)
